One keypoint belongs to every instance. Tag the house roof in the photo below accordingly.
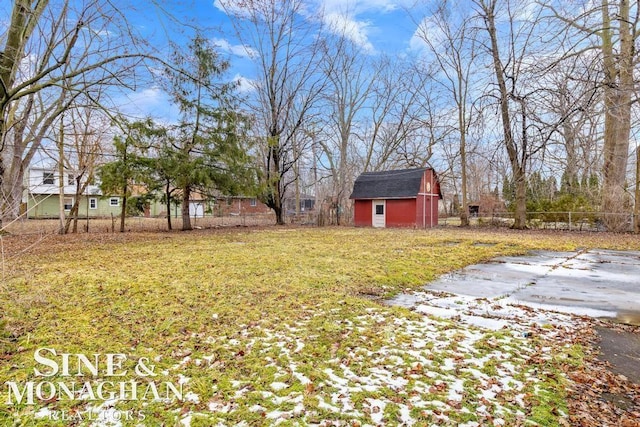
(395, 184)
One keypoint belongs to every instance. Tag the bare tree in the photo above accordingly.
(569, 96)
(512, 73)
(613, 29)
(89, 131)
(285, 47)
(401, 128)
(450, 40)
(52, 51)
(79, 143)
(350, 79)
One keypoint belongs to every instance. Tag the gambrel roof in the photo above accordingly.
(395, 184)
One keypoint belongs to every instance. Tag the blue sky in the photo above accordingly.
(378, 26)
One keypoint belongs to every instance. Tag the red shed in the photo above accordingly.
(398, 198)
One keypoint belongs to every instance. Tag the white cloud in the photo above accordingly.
(427, 30)
(235, 49)
(245, 85)
(101, 33)
(149, 102)
(231, 7)
(343, 17)
(356, 31)
(527, 12)
(346, 17)
(363, 6)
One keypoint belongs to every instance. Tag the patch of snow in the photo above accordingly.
(456, 389)
(240, 393)
(302, 378)
(192, 397)
(445, 313)
(485, 322)
(298, 409)
(274, 415)
(221, 407)
(488, 394)
(336, 379)
(43, 413)
(376, 410)
(186, 421)
(276, 385)
(405, 416)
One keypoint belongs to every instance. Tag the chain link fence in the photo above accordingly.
(137, 224)
(566, 221)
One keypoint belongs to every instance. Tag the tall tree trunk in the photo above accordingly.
(277, 207)
(123, 212)
(570, 177)
(296, 171)
(517, 166)
(11, 180)
(464, 212)
(186, 217)
(618, 89)
(636, 207)
(520, 179)
(20, 28)
(75, 209)
(168, 196)
(11, 191)
(274, 180)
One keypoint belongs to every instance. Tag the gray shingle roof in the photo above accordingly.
(388, 184)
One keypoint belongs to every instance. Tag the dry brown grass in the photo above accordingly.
(232, 296)
(135, 224)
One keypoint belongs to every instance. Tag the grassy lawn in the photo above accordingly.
(269, 326)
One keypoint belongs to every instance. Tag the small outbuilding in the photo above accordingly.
(398, 198)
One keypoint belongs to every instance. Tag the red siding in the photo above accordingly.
(401, 213)
(430, 205)
(427, 201)
(421, 212)
(362, 213)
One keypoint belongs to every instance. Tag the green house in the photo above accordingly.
(41, 196)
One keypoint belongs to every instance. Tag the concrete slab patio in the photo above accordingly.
(597, 283)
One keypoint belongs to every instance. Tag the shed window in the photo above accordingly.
(68, 203)
(379, 209)
(93, 203)
(48, 178)
(114, 201)
(253, 202)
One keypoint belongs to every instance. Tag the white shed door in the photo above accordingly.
(378, 214)
(196, 209)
